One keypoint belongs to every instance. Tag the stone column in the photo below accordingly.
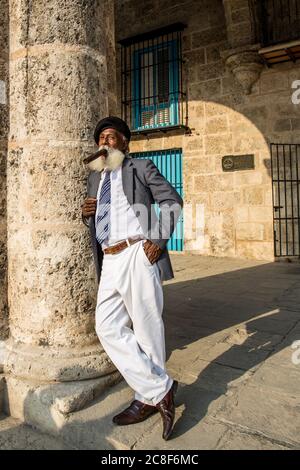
(3, 157)
(59, 89)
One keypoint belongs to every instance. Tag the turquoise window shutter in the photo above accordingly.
(169, 163)
(155, 86)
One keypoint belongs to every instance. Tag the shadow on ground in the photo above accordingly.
(224, 326)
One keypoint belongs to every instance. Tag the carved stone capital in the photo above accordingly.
(245, 64)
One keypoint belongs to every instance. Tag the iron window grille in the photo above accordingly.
(151, 84)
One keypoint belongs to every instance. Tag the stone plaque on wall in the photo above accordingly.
(238, 162)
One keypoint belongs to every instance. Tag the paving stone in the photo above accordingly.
(14, 435)
(198, 402)
(237, 356)
(264, 411)
(280, 379)
(249, 336)
(212, 376)
(192, 435)
(92, 428)
(283, 356)
(235, 440)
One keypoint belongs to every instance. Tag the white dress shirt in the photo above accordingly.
(123, 221)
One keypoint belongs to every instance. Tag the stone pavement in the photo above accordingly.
(17, 436)
(230, 327)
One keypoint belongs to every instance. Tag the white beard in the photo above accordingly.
(113, 160)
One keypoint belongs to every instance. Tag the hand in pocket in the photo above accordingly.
(152, 251)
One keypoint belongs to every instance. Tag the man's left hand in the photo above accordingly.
(152, 251)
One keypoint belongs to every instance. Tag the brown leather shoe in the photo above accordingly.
(135, 413)
(166, 408)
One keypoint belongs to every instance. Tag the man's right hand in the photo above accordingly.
(89, 207)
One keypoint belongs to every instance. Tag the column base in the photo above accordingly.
(47, 364)
(47, 406)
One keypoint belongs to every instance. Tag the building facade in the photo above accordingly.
(237, 76)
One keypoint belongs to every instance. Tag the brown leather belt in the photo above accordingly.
(112, 250)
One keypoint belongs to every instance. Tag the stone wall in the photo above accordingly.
(234, 209)
(3, 156)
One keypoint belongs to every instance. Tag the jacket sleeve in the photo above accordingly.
(169, 201)
(85, 220)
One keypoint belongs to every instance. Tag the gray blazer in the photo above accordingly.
(143, 185)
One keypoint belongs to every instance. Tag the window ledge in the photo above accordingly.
(163, 130)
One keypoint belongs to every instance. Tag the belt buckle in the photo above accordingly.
(127, 241)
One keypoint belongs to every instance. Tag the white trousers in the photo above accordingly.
(129, 321)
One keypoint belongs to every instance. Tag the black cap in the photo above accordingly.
(112, 122)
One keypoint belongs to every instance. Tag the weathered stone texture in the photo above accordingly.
(49, 171)
(238, 19)
(4, 19)
(4, 119)
(59, 76)
(57, 94)
(80, 22)
(4, 125)
(52, 305)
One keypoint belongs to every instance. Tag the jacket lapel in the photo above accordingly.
(127, 179)
(94, 183)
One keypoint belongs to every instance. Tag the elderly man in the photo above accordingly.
(131, 258)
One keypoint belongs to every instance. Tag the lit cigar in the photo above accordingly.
(95, 155)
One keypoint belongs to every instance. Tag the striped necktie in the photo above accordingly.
(103, 213)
